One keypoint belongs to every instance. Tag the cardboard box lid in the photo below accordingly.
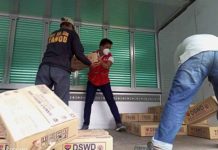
(49, 104)
(94, 138)
(204, 125)
(141, 114)
(32, 110)
(92, 133)
(129, 114)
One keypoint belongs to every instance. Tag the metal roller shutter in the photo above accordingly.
(27, 51)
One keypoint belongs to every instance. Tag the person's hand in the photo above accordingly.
(73, 70)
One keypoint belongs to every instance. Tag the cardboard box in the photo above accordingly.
(144, 128)
(203, 131)
(149, 128)
(132, 117)
(89, 142)
(3, 144)
(36, 113)
(78, 65)
(186, 120)
(128, 126)
(2, 131)
(157, 117)
(202, 110)
(129, 117)
(183, 130)
(155, 109)
(146, 117)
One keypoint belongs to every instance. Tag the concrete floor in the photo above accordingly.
(126, 141)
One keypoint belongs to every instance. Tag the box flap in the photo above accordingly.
(20, 117)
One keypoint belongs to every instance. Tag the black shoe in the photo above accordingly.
(85, 127)
(120, 127)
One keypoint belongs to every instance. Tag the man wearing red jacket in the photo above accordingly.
(98, 78)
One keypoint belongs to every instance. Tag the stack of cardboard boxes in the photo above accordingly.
(194, 124)
(201, 111)
(146, 125)
(37, 114)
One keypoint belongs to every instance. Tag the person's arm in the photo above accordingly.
(79, 50)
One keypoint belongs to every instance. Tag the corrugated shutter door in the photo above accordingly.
(91, 11)
(32, 7)
(145, 60)
(27, 51)
(4, 29)
(118, 12)
(120, 72)
(6, 6)
(53, 26)
(63, 8)
(90, 37)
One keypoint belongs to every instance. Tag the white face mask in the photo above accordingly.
(106, 51)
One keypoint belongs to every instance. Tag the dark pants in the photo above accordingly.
(57, 77)
(90, 96)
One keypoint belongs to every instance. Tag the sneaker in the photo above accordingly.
(150, 146)
(120, 127)
(85, 127)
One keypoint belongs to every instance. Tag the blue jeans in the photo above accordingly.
(57, 77)
(90, 96)
(188, 79)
